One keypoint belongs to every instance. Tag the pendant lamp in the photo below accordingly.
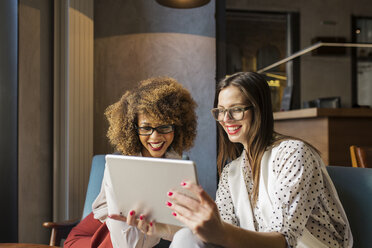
(183, 4)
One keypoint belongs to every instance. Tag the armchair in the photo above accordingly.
(60, 230)
(354, 188)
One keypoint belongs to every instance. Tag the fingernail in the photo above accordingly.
(183, 184)
(170, 193)
(110, 216)
(131, 213)
(141, 217)
(174, 214)
(169, 204)
(150, 223)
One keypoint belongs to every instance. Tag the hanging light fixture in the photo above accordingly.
(183, 4)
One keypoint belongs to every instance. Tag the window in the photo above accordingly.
(255, 40)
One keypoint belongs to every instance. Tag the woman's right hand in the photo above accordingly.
(200, 214)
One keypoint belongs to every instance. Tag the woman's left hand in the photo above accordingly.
(152, 228)
(148, 228)
(200, 214)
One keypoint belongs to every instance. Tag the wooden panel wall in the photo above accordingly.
(314, 131)
(73, 126)
(80, 102)
(332, 136)
(346, 132)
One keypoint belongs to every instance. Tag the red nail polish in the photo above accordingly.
(183, 184)
(109, 216)
(169, 204)
(150, 223)
(131, 213)
(170, 193)
(174, 214)
(141, 217)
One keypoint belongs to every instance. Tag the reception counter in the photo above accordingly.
(331, 131)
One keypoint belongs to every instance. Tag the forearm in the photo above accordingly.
(236, 237)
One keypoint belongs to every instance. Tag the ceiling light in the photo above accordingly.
(183, 4)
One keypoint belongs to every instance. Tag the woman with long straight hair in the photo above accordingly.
(274, 190)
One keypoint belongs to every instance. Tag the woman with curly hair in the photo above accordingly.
(156, 119)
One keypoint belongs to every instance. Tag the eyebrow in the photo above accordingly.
(150, 124)
(233, 105)
(145, 124)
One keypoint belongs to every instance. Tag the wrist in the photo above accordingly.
(223, 235)
(165, 231)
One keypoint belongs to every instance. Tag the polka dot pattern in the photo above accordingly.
(224, 201)
(299, 195)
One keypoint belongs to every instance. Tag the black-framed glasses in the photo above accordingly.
(147, 130)
(235, 113)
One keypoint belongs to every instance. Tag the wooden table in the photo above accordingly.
(331, 131)
(24, 245)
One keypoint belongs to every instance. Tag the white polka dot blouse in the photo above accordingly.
(301, 197)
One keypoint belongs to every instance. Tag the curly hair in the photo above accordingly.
(160, 98)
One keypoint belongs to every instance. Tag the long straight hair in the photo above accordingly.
(261, 133)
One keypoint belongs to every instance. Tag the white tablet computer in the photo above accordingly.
(141, 184)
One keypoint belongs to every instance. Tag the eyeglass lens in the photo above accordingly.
(160, 129)
(234, 113)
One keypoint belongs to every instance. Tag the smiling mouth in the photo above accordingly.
(156, 146)
(233, 129)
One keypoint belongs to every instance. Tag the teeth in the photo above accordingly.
(233, 128)
(157, 145)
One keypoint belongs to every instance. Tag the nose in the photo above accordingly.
(155, 134)
(227, 117)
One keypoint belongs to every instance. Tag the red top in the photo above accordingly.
(90, 233)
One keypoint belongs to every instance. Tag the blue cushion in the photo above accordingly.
(354, 187)
(94, 184)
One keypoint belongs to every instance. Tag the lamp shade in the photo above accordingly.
(183, 4)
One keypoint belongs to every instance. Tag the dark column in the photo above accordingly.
(9, 121)
(220, 40)
(293, 67)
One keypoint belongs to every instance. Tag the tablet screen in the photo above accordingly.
(141, 184)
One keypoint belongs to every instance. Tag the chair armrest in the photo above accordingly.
(62, 224)
(60, 230)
